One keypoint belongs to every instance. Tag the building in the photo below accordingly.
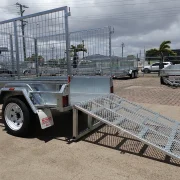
(173, 59)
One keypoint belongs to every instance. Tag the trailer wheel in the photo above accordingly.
(135, 74)
(162, 81)
(146, 71)
(16, 117)
(132, 75)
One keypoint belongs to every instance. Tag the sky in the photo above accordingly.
(139, 24)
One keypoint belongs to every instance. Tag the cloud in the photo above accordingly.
(137, 23)
(151, 39)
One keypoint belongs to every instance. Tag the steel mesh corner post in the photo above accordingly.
(67, 14)
(17, 48)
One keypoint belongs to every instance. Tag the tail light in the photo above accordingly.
(65, 100)
(112, 89)
(69, 79)
(12, 89)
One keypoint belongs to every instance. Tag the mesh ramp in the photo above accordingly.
(145, 125)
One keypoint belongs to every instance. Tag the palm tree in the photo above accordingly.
(32, 58)
(164, 49)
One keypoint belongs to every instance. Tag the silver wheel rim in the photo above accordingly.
(14, 116)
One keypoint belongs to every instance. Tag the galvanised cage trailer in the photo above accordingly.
(170, 75)
(27, 97)
(125, 68)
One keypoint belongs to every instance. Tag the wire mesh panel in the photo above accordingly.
(149, 127)
(36, 44)
(6, 56)
(53, 49)
(122, 67)
(91, 51)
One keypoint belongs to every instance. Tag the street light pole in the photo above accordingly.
(83, 48)
(52, 52)
(123, 45)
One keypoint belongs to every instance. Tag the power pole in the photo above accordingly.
(144, 53)
(137, 60)
(123, 45)
(144, 58)
(52, 52)
(23, 24)
(83, 48)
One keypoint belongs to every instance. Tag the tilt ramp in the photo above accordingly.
(147, 126)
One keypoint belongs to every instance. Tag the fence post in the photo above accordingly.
(67, 14)
(36, 57)
(110, 52)
(17, 49)
(12, 56)
(137, 62)
(110, 46)
(75, 123)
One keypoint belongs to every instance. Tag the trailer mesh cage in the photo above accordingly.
(34, 44)
(40, 44)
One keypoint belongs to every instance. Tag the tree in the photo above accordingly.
(74, 50)
(52, 62)
(164, 49)
(32, 58)
(131, 57)
(62, 61)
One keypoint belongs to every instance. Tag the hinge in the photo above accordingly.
(68, 13)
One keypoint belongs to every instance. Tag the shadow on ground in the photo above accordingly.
(1, 121)
(123, 78)
(105, 136)
(109, 137)
(62, 129)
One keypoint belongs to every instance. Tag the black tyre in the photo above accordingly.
(27, 72)
(135, 74)
(132, 75)
(162, 81)
(16, 117)
(146, 71)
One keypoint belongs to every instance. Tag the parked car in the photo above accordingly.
(7, 70)
(154, 67)
(4, 70)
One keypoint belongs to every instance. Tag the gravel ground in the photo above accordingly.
(104, 154)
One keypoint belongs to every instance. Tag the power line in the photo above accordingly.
(23, 24)
(151, 2)
(47, 4)
(167, 9)
(124, 12)
(6, 6)
(141, 3)
(134, 13)
(123, 18)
